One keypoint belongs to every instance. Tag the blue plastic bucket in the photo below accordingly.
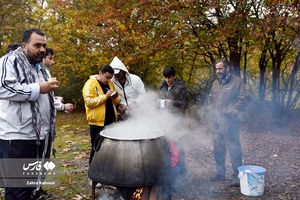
(252, 180)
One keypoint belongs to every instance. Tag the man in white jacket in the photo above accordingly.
(27, 111)
(129, 86)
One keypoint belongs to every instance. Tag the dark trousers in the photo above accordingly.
(94, 133)
(226, 133)
(20, 149)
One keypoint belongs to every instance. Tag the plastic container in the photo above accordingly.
(252, 180)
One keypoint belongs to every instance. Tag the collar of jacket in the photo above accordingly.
(225, 80)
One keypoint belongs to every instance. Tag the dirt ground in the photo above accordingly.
(263, 144)
(276, 149)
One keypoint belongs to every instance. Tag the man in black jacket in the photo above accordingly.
(172, 92)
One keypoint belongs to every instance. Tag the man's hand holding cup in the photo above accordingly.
(50, 86)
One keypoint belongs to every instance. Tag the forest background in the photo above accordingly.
(260, 38)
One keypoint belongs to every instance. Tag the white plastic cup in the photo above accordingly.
(162, 103)
(58, 98)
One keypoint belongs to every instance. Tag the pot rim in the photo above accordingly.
(141, 136)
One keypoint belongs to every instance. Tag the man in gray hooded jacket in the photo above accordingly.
(129, 86)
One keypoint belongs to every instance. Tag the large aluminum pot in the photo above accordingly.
(131, 159)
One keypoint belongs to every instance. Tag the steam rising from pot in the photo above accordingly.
(147, 115)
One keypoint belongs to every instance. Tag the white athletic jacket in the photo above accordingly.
(15, 95)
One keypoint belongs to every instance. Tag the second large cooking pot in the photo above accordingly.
(133, 159)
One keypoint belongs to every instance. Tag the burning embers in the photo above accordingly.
(137, 195)
(145, 193)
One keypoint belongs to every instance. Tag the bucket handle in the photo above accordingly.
(241, 174)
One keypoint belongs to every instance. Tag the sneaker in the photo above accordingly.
(217, 177)
(184, 173)
(51, 196)
(2, 193)
(42, 195)
(98, 185)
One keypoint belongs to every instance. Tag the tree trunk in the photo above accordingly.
(245, 67)
(235, 56)
(262, 71)
(275, 91)
(296, 67)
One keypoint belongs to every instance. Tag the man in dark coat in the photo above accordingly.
(227, 101)
(172, 92)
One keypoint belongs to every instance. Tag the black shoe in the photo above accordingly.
(217, 177)
(235, 182)
(234, 185)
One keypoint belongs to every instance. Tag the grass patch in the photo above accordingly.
(72, 146)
